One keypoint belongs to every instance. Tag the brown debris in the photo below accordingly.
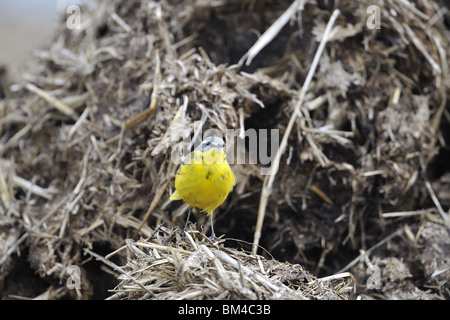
(88, 139)
(195, 267)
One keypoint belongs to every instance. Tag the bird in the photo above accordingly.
(204, 179)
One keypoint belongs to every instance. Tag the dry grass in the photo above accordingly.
(87, 140)
(166, 266)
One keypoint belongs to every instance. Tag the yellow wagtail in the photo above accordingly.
(204, 179)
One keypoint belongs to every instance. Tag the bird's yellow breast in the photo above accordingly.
(204, 181)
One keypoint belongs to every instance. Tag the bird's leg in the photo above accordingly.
(187, 220)
(213, 234)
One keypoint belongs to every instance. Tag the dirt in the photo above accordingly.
(86, 142)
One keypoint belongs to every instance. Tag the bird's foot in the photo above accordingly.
(213, 237)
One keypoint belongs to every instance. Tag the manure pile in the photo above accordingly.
(359, 205)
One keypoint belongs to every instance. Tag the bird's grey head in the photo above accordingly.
(211, 143)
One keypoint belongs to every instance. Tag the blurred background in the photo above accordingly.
(26, 25)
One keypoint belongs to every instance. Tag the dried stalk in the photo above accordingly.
(269, 179)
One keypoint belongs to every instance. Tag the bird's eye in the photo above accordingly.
(207, 143)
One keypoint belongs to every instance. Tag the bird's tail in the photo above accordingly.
(175, 196)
